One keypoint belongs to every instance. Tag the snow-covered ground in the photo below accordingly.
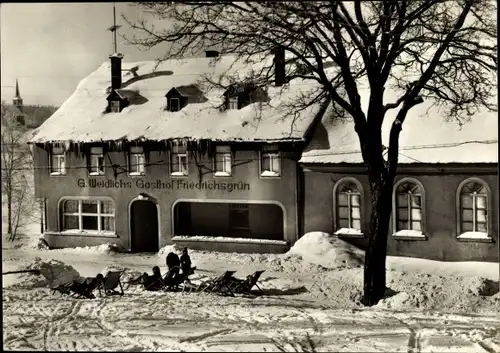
(310, 303)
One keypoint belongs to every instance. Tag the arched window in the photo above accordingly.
(87, 215)
(473, 207)
(347, 206)
(408, 208)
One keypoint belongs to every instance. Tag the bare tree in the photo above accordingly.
(442, 51)
(17, 172)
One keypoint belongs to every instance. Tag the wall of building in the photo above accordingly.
(244, 184)
(440, 212)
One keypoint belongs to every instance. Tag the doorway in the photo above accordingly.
(144, 226)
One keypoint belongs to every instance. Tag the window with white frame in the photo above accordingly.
(57, 161)
(473, 208)
(96, 165)
(179, 161)
(223, 161)
(348, 206)
(91, 216)
(409, 208)
(174, 104)
(270, 162)
(136, 161)
(115, 106)
(232, 103)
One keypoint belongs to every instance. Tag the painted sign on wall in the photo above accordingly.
(160, 184)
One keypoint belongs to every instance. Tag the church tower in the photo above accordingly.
(18, 101)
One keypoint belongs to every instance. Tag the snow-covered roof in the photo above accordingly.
(427, 137)
(82, 117)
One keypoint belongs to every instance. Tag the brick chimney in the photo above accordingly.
(116, 70)
(279, 66)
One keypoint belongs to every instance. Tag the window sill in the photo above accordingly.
(222, 174)
(208, 239)
(87, 233)
(409, 235)
(475, 237)
(57, 174)
(136, 174)
(96, 173)
(178, 174)
(349, 233)
(269, 174)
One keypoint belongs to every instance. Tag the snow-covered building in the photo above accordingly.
(445, 197)
(160, 155)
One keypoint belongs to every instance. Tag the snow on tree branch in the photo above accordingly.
(441, 51)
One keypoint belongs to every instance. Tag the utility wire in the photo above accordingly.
(246, 160)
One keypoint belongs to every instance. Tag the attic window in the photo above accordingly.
(232, 103)
(174, 104)
(115, 106)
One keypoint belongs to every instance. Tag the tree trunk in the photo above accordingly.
(9, 213)
(374, 271)
(42, 214)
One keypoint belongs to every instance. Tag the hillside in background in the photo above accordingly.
(37, 114)
(34, 115)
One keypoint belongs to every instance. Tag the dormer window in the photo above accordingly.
(115, 106)
(174, 104)
(239, 95)
(180, 96)
(96, 161)
(136, 161)
(232, 103)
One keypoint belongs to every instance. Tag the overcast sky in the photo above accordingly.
(50, 47)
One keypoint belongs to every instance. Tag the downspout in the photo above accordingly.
(299, 199)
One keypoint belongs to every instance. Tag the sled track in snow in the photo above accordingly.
(159, 321)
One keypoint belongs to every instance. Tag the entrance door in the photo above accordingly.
(144, 226)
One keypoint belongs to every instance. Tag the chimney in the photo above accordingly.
(279, 66)
(211, 53)
(116, 70)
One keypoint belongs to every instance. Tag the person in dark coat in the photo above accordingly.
(154, 282)
(174, 266)
(186, 263)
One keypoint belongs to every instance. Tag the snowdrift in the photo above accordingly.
(327, 250)
(52, 272)
(103, 249)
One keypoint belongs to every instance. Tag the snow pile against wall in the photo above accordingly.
(327, 250)
(107, 248)
(52, 272)
(175, 248)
